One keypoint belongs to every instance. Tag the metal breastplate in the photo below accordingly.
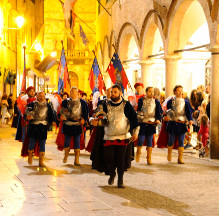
(39, 113)
(178, 106)
(118, 124)
(74, 107)
(148, 110)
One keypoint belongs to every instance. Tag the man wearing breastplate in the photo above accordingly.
(21, 127)
(122, 119)
(74, 113)
(149, 115)
(40, 115)
(179, 112)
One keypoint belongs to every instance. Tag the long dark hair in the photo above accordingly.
(4, 97)
(200, 98)
(193, 98)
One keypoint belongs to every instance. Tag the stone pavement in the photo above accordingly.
(64, 189)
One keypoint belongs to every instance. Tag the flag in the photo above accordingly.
(95, 78)
(83, 36)
(23, 85)
(63, 72)
(68, 5)
(73, 16)
(117, 72)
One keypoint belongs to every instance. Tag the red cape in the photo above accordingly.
(24, 150)
(91, 140)
(164, 137)
(61, 139)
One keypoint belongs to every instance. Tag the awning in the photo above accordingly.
(38, 73)
(46, 63)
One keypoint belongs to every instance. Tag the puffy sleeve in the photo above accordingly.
(84, 110)
(158, 111)
(140, 104)
(132, 116)
(188, 110)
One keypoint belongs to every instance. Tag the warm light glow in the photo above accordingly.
(37, 46)
(54, 54)
(20, 21)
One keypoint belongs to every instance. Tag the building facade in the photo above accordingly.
(164, 43)
(13, 40)
(78, 54)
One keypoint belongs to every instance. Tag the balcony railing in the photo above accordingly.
(78, 54)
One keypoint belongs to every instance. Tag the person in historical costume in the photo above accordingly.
(74, 114)
(122, 119)
(179, 112)
(139, 89)
(23, 101)
(40, 115)
(149, 116)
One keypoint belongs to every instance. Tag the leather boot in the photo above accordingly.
(180, 155)
(41, 157)
(66, 153)
(30, 157)
(169, 156)
(149, 152)
(111, 178)
(120, 181)
(138, 153)
(77, 153)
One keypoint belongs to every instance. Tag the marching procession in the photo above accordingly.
(117, 125)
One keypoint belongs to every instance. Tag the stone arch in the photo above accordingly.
(152, 23)
(73, 78)
(176, 13)
(127, 32)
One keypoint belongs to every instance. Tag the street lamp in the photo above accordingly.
(20, 21)
(54, 54)
(37, 47)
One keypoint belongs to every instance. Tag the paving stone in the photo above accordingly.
(161, 189)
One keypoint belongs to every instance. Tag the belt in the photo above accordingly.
(36, 122)
(70, 123)
(183, 122)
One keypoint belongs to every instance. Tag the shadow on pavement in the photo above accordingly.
(84, 168)
(133, 170)
(175, 168)
(148, 199)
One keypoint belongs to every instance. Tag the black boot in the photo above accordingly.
(120, 181)
(111, 178)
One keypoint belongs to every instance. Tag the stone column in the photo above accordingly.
(147, 72)
(171, 74)
(214, 107)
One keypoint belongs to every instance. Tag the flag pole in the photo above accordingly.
(84, 23)
(122, 66)
(99, 69)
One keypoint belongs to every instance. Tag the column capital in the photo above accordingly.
(215, 50)
(172, 57)
(148, 61)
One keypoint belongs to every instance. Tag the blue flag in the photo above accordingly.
(96, 78)
(83, 36)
